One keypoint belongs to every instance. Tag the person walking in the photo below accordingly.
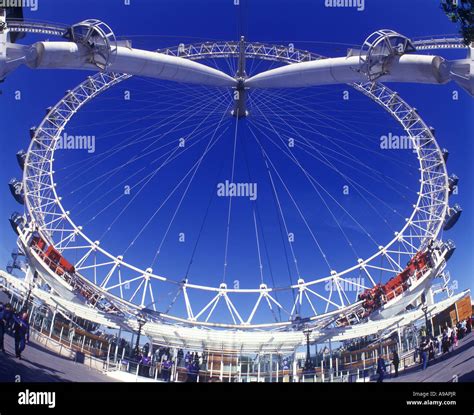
(454, 338)
(8, 317)
(381, 369)
(431, 349)
(424, 347)
(180, 357)
(396, 362)
(2, 329)
(439, 343)
(446, 341)
(464, 328)
(21, 333)
(193, 372)
(166, 367)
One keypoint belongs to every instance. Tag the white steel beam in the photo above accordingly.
(70, 55)
(407, 68)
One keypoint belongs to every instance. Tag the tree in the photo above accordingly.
(462, 12)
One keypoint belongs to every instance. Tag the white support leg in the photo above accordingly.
(271, 371)
(52, 323)
(3, 44)
(295, 376)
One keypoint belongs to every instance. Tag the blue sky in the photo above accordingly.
(307, 24)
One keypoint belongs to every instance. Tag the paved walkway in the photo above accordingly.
(39, 364)
(458, 363)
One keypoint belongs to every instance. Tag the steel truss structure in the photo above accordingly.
(217, 341)
(108, 274)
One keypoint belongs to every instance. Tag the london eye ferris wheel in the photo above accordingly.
(236, 187)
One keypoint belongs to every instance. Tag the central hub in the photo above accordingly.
(240, 99)
(240, 91)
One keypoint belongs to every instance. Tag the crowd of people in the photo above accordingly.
(451, 336)
(163, 360)
(447, 341)
(16, 325)
(429, 347)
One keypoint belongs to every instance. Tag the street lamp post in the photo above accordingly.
(308, 365)
(428, 326)
(24, 309)
(141, 322)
